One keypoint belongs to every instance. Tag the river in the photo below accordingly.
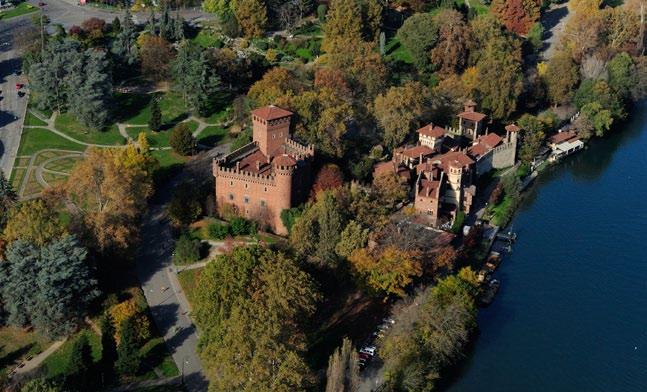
(571, 314)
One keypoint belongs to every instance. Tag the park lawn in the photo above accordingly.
(37, 139)
(67, 124)
(189, 282)
(207, 40)
(155, 139)
(32, 120)
(133, 109)
(17, 175)
(396, 51)
(17, 344)
(479, 7)
(56, 364)
(211, 136)
(155, 354)
(20, 9)
(173, 108)
(500, 212)
(218, 117)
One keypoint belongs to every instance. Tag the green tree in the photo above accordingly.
(216, 6)
(196, 79)
(400, 109)
(8, 198)
(128, 359)
(343, 369)
(185, 206)
(289, 216)
(108, 348)
(182, 140)
(561, 77)
(353, 237)
(622, 75)
(33, 221)
(40, 385)
(49, 287)
(79, 365)
(155, 122)
(316, 233)
(92, 98)
(124, 46)
(343, 24)
(600, 118)
(533, 137)
(251, 16)
(449, 55)
(498, 63)
(419, 35)
(388, 270)
(187, 250)
(233, 293)
(599, 91)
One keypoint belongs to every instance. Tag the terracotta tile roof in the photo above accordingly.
(255, 162)
(562, 137)
(512, 128)
(428, 188)
(478, 150)
(415, 152)
(472, 116)
(271, 112)
(284, 160)
(491, 140)
(456, 159)
(432, 131)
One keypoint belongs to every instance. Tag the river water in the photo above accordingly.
(571, 314)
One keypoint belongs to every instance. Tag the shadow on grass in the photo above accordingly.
(211, 140)
(15, 355)
(171, 124)
(130, 105)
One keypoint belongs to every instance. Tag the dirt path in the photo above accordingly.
(554, 21)
(35, 362)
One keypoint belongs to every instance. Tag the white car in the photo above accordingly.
(370, 350)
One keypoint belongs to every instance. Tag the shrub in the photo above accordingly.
(262, 45)
(218, 231)
(244, 44)
(242, 226)
(185, 206)
(187, 250)
(322, 9)
(182, 139)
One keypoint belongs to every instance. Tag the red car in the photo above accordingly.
(19, 86)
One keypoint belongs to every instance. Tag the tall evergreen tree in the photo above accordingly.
(155, 122)
(151, 25)
(50, 287)
(343, 369)
(128, 360)
(8, 198)
(166, 24)
(91, 101)
(108, 348)
(196, 79)
(178, 29)
(79, 365)
(124, 45)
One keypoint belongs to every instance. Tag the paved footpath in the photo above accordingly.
(168, 305)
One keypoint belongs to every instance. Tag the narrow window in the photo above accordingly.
(262, 203)
(231, 196)
(246, 199)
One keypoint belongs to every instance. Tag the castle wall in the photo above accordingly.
(504, 156)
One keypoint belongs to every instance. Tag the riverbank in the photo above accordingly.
(571, 305)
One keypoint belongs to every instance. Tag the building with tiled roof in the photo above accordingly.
(431, 136)
(268, 175)
(471, 124)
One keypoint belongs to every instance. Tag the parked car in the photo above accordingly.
(370, 350)
(364, 356)
(41, 4)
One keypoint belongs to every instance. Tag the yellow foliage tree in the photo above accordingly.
(126, 310)
(389, 270)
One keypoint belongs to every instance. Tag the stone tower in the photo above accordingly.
(271, 128)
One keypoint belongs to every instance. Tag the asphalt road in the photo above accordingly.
(12, 107)
(155, 271)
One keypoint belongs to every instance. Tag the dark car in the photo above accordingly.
(41, 4)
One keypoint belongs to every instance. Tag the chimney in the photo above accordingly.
(258, 165)
(470, 106)
(237, 165)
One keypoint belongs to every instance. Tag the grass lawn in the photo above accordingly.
(189, 281)
(16, 344)
(154, 354)
(21, 9)
(396, 51)
(211, 136)
(477, 5)
(67, 124)
(500, 212)
(17, 176)
(156, 139)
(207, 40)
(133, 108)
(31, 120)
(217, 117)
(36, 139)
(56, 363)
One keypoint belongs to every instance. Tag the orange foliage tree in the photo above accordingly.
(518, 16)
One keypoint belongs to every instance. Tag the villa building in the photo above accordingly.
(268, 175)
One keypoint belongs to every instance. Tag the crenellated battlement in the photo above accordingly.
(240, 153)
(300, 149)
(236, 174)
